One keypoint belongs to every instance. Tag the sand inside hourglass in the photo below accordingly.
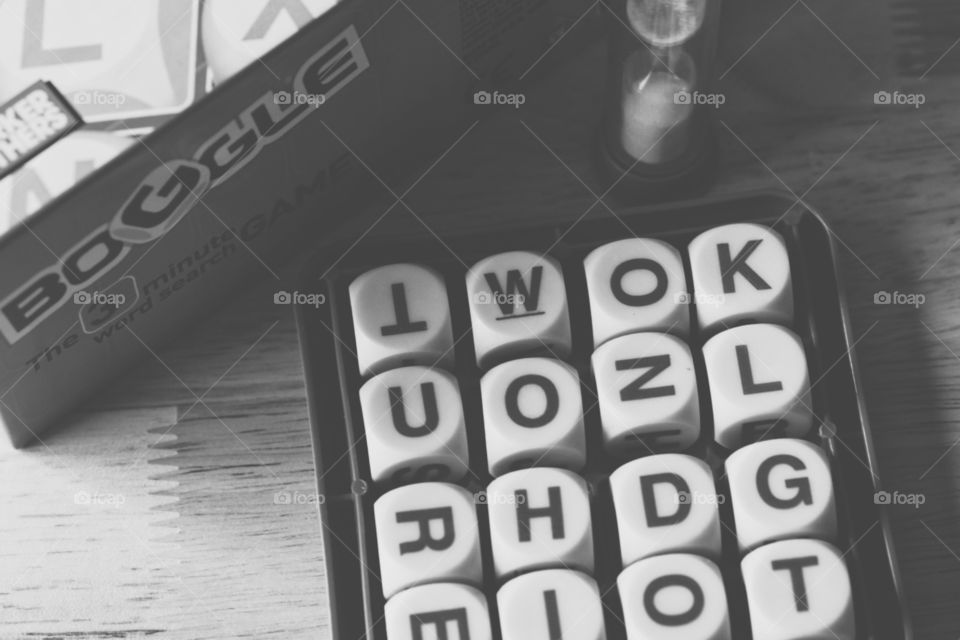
(657, 106)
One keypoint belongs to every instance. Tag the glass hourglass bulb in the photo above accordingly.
(666, 23)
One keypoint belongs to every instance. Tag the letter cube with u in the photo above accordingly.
(414, 426)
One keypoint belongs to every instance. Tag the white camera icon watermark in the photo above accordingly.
(98, 98)
(299, 298)
(497, 98)
(482, 497)
(715, 100)
(696, 497)
(99, 499)
(99, 298)
(700, 299)
(915, 500)
(499, 298)
(298, 498)
(297, 98)
(899, 298)
(898, 98)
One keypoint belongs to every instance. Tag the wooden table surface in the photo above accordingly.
(153, 514)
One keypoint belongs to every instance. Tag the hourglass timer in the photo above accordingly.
(658, 137)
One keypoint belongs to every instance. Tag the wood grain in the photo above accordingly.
(200, 549)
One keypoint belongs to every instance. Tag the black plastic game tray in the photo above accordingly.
(343, 477)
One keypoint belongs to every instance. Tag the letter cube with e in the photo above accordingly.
(666, 503)
(439, 610)
(427, 532)
(414, 425)
(781, 489)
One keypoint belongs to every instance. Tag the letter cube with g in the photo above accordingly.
(781, 489)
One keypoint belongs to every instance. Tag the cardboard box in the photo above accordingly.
(228, 189)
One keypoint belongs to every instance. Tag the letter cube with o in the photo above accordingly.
(533, 415)
(637, 284)
(678, 596)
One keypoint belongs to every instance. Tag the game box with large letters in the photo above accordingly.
(228, 187)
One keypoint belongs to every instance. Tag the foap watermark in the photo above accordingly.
(715, 100)
(299, 298)
(498, 98)
(899, 298)
(499, 298)
(914, 500)
(98, 98)
(298, 498)
(298, 98)
(99, 298)
(898, 98)
(482, 497)
(700, 299)
(696, 497)
(99, 499)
